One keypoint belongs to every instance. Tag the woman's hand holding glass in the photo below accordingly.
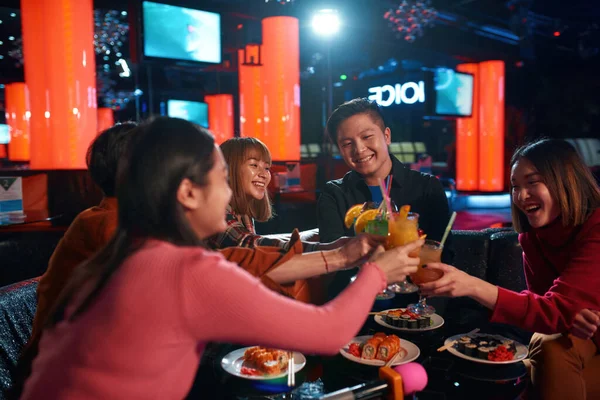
(454, 282)
(397, 263)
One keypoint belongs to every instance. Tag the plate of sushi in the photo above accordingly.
(403, 320)
(486, 349)
(260, 363)
(379, 348)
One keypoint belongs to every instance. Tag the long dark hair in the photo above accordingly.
(567, 177)
(162, 152)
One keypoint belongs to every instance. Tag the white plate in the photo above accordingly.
(436, 319)
(233, 363)
(410, 350)
(520, 355)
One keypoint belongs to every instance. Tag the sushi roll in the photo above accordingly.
(427, 321)
(395, 320)
(483, 343)
(483, 352)
(387, 318)
(412, 324)
(270, 367)
(509, 345)
(404, 321)
(388, 348)
(471, 350)
(462, 342)
(370, 348)
(281, 357)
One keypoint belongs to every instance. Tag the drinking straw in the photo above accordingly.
(386, 198)
(447, 232)
(388, 186)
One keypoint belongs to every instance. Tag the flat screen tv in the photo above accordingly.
(178, 33)
(193, 111)
(4, 134)
(453, 93)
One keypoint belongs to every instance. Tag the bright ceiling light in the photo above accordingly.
(326, 22)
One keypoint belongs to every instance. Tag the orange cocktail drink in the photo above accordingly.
(402, 230)
(431, 252)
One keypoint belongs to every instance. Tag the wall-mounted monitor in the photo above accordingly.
(453, 94)
(179, 33)
(4, 134)
(193, 111)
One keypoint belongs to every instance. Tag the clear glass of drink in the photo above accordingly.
(430, 252)
(402, 231)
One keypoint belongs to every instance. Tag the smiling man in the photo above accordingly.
(360, 132)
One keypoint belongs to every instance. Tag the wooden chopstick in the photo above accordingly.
(452, 343)
(392, 360)
(291, 381)
(377, 313)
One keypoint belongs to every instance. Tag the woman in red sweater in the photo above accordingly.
(556, 210)
(133, 321)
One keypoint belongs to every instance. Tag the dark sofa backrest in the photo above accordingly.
(25, 254)
(493, 255)
(17, 308)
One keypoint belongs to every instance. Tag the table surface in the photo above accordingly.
(29, 217)
(450, 377)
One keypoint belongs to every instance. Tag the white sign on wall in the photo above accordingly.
(406, 93)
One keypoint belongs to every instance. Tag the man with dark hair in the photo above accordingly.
(359, 129)
(103, 156)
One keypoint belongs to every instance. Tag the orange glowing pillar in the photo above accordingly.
(251, 92)
(3, 153)
(106, 118)
(467, 138)
(281, 80)
(60, 74)
(17, 118)
(220, 116)
(491, 126)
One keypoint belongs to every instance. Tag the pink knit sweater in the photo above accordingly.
(144, 335)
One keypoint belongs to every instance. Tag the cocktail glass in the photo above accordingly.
(402, 231)
(430, 252)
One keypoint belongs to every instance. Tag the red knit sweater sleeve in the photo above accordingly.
(576, 288)
(224, 303)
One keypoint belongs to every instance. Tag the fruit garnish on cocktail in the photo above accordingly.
(360, 215)
(400, 228)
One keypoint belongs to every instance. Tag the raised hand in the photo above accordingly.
(397, 263)
(355, 250)
(454, 283)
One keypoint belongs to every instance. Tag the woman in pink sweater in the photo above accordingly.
(134, 321)
(556, 210)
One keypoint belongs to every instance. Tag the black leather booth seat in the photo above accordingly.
(17, 308)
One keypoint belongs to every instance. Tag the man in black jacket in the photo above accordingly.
(360, 132)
